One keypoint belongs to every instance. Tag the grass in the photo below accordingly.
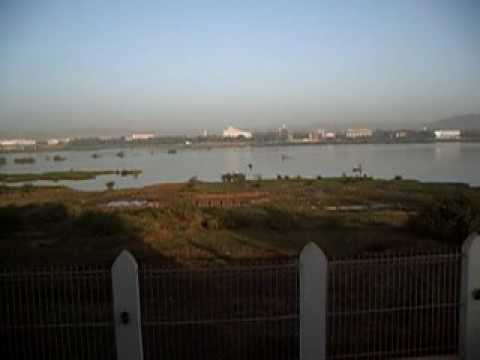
(293, 213)
(26, 160)
(64, 175)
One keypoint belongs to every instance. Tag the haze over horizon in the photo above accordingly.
(183, 65)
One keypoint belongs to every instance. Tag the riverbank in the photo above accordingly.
(64, 175)
(216, 221)
(227, 144)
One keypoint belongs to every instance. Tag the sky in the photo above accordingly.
(176, 66)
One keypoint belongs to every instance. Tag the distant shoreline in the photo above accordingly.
(217, 145)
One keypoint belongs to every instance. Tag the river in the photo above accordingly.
(438, 162)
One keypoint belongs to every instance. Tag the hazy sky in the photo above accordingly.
(176, 65)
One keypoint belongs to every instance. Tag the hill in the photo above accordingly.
(461, 122)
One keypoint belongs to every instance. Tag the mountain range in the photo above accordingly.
(460, 122)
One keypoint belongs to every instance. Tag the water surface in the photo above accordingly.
(440, 162)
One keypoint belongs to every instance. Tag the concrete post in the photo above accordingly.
(126, 308)
(469, 331)
(313, 303)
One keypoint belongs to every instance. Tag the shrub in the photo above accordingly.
(59, 158)
(449, 219)
(110, 185)
(237, 218)
(319, 177)
(27, 188)
(48, 213)
(28, 160)
(192, 182)
(398, 177)
(281, 220)
(98, 223)
(237, 178)
(279, 177)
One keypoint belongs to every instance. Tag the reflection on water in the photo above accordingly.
(452, 162)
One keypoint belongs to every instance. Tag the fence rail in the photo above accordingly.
(235, 312)
(394, 306)
(56, 313)
(379, 307)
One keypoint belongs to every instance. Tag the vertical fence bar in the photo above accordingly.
(126, 307)
(470, 299)
(313, 303)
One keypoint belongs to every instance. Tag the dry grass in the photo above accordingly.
(292, 214)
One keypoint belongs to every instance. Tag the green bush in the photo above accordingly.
(449, 219)
(28, 160)
(238, 218)
(236, 178)
(48, 213)
(281, 220)
(98, 223)
(59, 158)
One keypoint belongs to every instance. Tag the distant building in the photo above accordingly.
(144, 136)
(330, 135)
(283, 131)
(15, 144)
(234, 133)
(317, 134)
(358, 133)
(447, 134)
(53, 142)
(321, 134)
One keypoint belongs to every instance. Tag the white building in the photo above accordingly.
(145, 136)
(17, 143)
(52, 142)
(330, 135)
(233, 133)
(447, 134)
(359, 133)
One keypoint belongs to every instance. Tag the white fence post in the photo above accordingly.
(313, 303)
(469, 341)
(126, 308)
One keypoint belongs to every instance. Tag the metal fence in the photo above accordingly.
(239, 311)
(61, 312)
(380, 307)
(391, 306)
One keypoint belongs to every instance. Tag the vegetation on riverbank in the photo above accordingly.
(23, 161)
(64, 175)
(222, 221)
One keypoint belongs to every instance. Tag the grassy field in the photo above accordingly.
(216, 221)
(63, 175)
